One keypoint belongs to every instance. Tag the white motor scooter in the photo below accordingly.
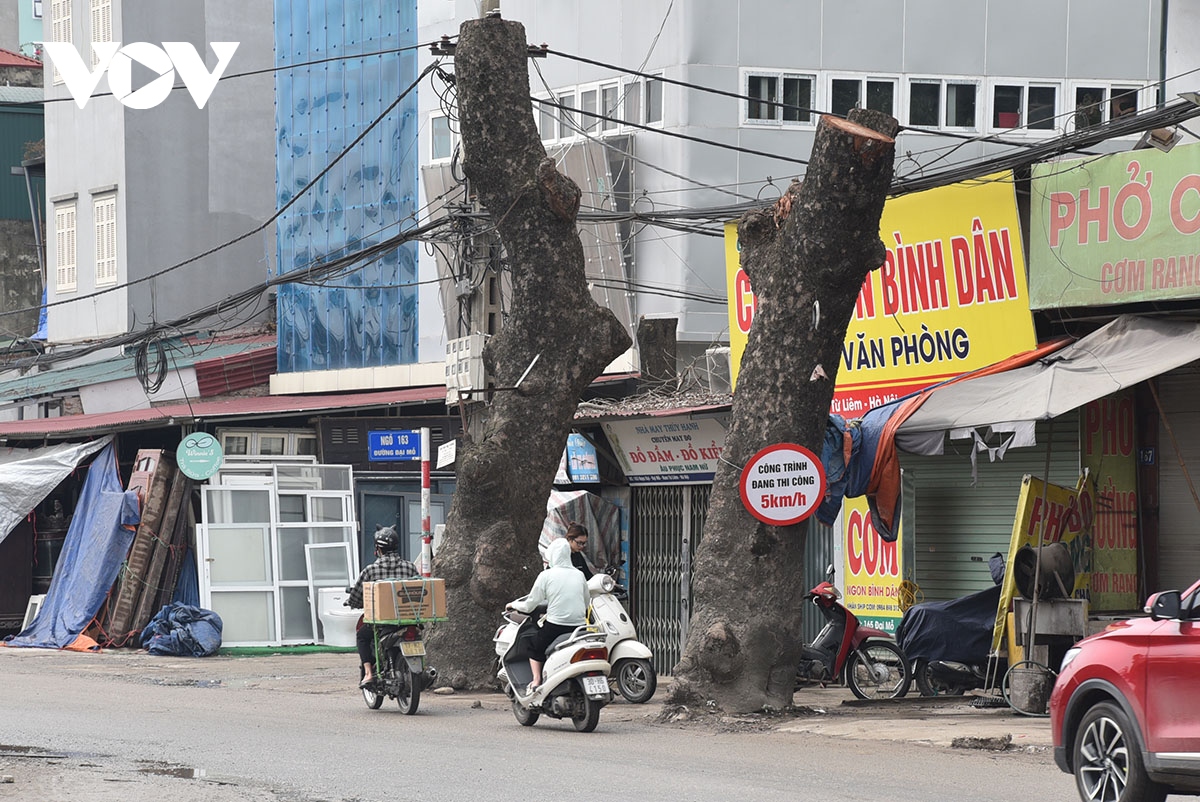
(574, 676)
(630, 658)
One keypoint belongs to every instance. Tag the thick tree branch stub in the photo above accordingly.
(813, 250)
(560, 192)
(865, 141)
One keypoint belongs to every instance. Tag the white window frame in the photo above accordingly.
(434, 156)
(1023, 128)
(1142, 93)
(104, 224)
(547, 119)
(615, 111)
(65, 222)
(633, 104)
(568, 117)
(60, 28)
(862, 78)
(943, 82)
(632, 98)
(817, 82)
(292, 438)
(655, 122)
(102, 25)
(589, 107)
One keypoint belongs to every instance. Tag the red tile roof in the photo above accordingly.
(11, 59)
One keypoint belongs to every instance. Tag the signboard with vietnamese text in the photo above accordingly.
(394, 446)
(782, 484)
(950, 296)
(1115, 230)
(1054, 514)
(674, 450)
(1108, 442)
(578, 464)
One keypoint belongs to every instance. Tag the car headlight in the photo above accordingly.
(1071, 654)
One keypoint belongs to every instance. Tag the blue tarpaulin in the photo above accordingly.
(181, 629)
(95, 548)
(187, 587)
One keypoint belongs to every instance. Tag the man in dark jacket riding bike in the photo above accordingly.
(388, 565)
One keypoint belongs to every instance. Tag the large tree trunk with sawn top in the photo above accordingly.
(489, 553)
(807, 258)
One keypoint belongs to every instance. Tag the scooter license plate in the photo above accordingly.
(412, 648)
(595, 685)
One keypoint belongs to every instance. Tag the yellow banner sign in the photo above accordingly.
(950, 297)
(1055, 514)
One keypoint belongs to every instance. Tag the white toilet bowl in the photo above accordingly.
(337, 620)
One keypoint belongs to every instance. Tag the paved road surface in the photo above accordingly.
(130, 726)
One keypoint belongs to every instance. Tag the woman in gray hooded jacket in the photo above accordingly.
(563, 590)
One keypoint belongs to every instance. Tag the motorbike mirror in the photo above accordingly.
(829, 571)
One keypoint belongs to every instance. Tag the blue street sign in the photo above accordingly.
(397, 446)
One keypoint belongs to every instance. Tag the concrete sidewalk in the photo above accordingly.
(948, 721)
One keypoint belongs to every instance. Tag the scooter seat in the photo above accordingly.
(557, 643)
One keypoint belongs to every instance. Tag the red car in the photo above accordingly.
(1125, 710)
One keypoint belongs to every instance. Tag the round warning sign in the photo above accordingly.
(783, 484)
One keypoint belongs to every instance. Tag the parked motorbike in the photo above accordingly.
(400, 669)
(949, 642)
(867, 659)
(632, 671)
(574, 676)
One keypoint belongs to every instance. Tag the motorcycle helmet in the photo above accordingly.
(386, 540)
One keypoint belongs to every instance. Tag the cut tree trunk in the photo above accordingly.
(489, 553)
(807, 258)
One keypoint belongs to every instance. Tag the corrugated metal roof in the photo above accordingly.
(237, 372)
(654, 405)
(177, 414)
(180, 354)
(21, 94)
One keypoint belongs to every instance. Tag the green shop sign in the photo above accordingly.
(1115, 230)
(199, 455)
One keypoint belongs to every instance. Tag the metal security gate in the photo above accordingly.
(666, 524)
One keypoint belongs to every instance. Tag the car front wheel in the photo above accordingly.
(1107, 760)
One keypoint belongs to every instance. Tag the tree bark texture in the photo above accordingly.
(807, 258)
(489, 553)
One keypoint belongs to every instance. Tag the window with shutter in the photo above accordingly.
(60, 26)
(101, 25)
(64, 232)
(105, 215)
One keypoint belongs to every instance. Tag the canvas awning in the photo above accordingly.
(1050, 380)
(1123, 353)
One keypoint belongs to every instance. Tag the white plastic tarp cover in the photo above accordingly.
(1123, 353)
(27, 475)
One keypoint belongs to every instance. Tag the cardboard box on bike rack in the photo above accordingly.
(404, 601)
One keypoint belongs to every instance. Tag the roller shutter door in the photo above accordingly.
(959, 527)
(1179, 520)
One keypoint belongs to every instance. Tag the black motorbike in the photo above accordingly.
(949, 643)
(400, 669)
